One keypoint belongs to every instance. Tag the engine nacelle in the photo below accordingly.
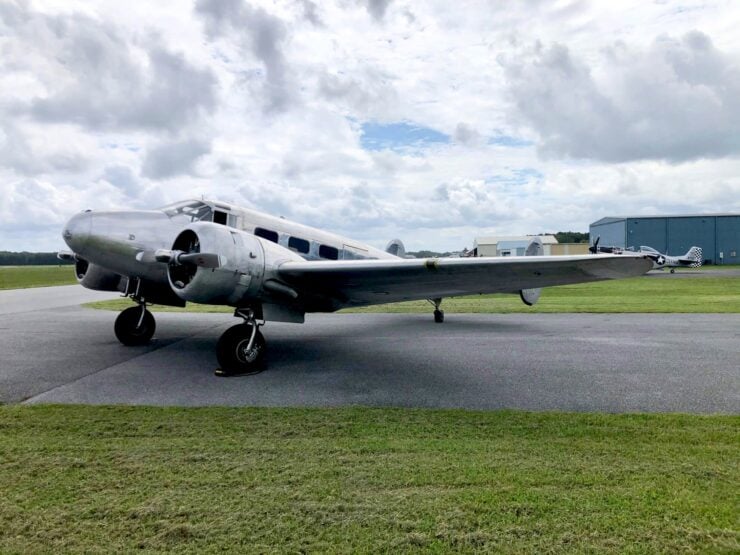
(95, 277)
(247, 262)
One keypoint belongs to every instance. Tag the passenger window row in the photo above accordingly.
(298, 244)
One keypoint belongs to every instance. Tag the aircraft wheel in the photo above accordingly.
(233, 355)
(439, 316)
(127, 328)
(673, 270)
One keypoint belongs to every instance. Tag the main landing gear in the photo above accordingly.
(135, 326)
(241, 349)
(439, 314)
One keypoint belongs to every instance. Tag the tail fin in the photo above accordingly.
(695, 254)
(396, 248)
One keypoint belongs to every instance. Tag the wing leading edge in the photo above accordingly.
(333, 285)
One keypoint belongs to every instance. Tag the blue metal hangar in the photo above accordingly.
(718, 235)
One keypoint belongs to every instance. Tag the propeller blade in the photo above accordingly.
(166, 256)
(594, 249)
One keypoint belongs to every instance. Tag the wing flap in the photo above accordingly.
(365, 282)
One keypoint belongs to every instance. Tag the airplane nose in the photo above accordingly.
(77, 231)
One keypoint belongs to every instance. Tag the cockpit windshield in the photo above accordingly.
(189, 211)
(648, 249)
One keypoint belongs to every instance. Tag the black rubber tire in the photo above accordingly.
(126, 328)
(439, 316)
(673, 270)
(230, 350)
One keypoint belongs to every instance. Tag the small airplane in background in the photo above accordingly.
(692, 259)
(270, 268)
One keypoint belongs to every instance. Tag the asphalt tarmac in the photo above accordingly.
(569, 362)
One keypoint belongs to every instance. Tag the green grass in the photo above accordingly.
(709, 294)
(642, 294)
(92, 479)
(21, 277)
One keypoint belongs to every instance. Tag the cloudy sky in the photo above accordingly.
(434, 122)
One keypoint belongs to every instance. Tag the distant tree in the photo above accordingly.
(30, 259)
(571, 237)
(428, 254)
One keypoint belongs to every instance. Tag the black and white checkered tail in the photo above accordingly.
(695, 254)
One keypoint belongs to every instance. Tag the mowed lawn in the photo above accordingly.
(703, 293)
(21, 277)
(102, 479)
(713, 293)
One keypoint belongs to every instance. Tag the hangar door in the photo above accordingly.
(728, 239)
(650, 232)
(684, 233)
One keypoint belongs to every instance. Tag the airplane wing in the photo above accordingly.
(334, 285)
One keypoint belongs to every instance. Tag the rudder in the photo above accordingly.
(697, 255)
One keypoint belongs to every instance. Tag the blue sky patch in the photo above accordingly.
(507, 140)
(516, 177)
(398, 136)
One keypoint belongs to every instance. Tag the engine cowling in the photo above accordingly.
(247, 262)
(95, 277)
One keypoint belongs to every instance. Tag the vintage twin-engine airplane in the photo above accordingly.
(693, 258)
(270, 268)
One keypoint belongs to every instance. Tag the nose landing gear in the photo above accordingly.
(241, 349)
(135, 325)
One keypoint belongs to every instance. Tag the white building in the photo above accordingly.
(513, 245)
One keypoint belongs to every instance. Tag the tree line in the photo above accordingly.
(8, 258)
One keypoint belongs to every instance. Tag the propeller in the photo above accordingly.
(594, 249)
(180, 258)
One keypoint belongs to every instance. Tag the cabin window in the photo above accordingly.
(301, 245)
(266, 234)
(219, 217)
(325, 251)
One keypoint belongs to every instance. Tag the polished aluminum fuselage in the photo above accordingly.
(120, 240)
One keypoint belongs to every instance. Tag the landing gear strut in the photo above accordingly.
(439, 315)
(241, 349)
(135, 325)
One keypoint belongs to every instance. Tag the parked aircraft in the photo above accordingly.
(693, 258)
(270, 268)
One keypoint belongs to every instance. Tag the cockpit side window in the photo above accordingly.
(189, 211)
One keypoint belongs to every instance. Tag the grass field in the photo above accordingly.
(93, 479)
(642, 294)
(711, 293)
(21, 277)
